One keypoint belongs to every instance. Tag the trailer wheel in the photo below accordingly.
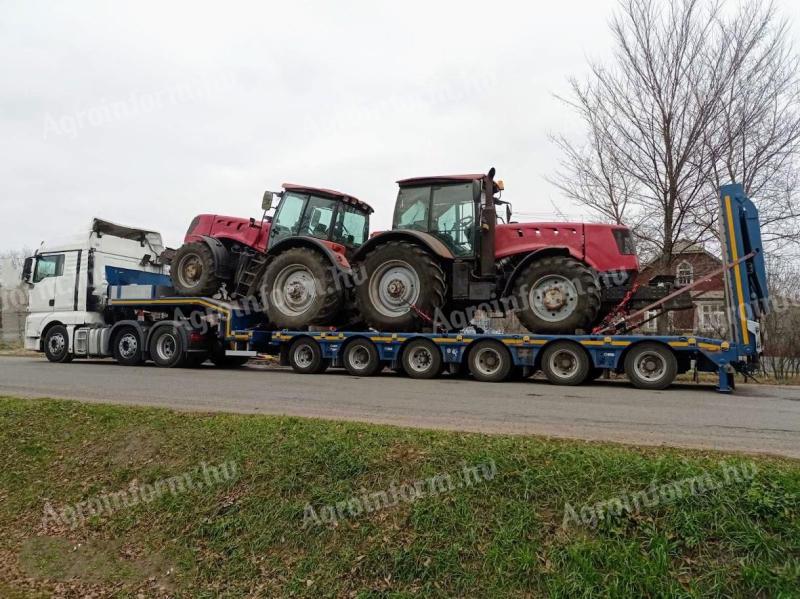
(56, 344)
(651, 366)
(565, 363)
(422, 359)
(305, 356)
(361, 358)
(127, 347)
(489, 361)
(167, 347)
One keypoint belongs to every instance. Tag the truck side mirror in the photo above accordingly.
(27, 270)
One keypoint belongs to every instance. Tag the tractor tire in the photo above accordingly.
(400, 274)
(557, 295)
(299, 288)
(193, 270)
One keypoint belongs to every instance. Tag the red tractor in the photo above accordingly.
(297, 259)
(446, 251)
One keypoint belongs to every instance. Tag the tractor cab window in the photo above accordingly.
(453, 217)
(411, 211)
(287, 218)
(318, 217)
(351, 226)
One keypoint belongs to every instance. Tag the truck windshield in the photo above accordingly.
(352, 226)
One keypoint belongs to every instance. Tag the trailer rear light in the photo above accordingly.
(196, 337)
(625, 243)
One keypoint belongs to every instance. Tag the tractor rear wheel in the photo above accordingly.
(299, 288)
(193, 270)
(557, 295)
(403, 285)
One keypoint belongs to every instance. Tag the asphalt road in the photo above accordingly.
(756, 418)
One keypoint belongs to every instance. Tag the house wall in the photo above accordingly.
(13, 304)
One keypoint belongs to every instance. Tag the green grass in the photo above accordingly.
(502, 537)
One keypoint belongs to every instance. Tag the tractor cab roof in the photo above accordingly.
(330, 193)
(438, 179)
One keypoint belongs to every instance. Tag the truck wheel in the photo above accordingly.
(565, 363)
(56, 344)
(299, 288)
(422, 359)
(305, 357)
(399, 275)
(361, 358)
(489, 361)
(127, 347)
(557, 295)
(651, 366)
(193, 270)
(167, 347)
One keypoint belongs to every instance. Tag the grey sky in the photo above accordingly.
(151, 112)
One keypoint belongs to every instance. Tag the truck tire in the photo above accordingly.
(167, 347)
(557, 295)
(299, 288)
(489, 361)
(651, 366)
(56, 344)
(305, 356)
(193, 270)
(566, 363)
(127, 347)
(422, 359)
(360, 358)
(400, 274)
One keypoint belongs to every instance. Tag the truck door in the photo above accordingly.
(41, 298)
(67, 286)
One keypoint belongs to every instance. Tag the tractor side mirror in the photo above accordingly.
(508, 213)
(266, 203)
(27, 270)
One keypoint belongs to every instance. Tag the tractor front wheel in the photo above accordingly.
(194, 271)
(557, 295)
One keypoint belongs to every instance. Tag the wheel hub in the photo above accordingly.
(553, 298)
(393, 287)
(650, 366)
(294, 290)
(56, 344)
(190, 270)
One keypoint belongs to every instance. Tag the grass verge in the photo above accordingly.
(500, 535)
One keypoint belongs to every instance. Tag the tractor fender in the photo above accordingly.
(557, 250)
(336, 259)
(426, 240)
(222, 256)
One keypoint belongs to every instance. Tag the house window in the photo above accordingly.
(684, 275)
(712, 317)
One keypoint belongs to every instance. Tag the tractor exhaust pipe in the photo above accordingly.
(488, 224)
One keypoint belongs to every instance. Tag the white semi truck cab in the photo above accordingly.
(69, 286)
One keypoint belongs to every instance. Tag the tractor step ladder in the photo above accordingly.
(249, 271)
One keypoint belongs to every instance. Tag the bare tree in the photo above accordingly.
(693, 98)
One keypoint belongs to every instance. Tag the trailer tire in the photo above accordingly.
(422, 359)
(489, 361)
(651, 366)
(305, 356)
(167, 348)
(56, 344)
(566, 363)
(194, 270)
(127, 347)
(360, 357)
